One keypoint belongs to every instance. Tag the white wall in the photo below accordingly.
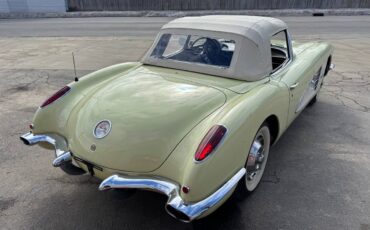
(32, 6)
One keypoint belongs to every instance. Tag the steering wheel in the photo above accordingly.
(208, 50)
(211, 51)
(198, 49)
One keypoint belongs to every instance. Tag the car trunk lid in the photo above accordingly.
(150, 112)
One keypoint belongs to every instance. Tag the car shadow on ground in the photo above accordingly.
(87, 208)
(273, 204)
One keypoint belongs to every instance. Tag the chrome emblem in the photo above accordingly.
(102, 129)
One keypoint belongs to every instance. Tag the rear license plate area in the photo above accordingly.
(90, 166)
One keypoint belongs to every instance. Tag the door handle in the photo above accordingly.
(293, 86)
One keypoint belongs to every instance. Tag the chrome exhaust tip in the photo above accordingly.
(105, 188)
(108, 183)
(62, 159)
(29, 138)
(25, 141)
(177, 214)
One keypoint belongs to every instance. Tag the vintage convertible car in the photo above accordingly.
(194, 119)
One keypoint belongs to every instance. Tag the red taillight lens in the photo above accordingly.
(56, 96)
(210, 142)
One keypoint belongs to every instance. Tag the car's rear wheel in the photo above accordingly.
(256, 161)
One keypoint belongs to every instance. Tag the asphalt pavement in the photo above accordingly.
(317, 177)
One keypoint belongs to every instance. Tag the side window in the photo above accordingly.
(279, 50)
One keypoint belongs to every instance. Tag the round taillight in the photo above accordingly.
(56, 96)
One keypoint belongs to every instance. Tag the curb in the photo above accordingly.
(286, 12)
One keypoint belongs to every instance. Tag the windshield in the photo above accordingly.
(195, 49)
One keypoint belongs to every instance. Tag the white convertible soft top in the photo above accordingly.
(252, 55)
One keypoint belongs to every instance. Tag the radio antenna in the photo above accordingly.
(74, 66)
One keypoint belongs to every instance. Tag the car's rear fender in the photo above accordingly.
(242, 116)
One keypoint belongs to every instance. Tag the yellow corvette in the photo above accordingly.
(194, 119)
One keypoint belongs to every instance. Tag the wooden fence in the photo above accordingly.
(183, 5)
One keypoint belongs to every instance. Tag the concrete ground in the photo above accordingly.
(318, 174)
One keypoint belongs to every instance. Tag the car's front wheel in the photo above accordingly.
(256, 161)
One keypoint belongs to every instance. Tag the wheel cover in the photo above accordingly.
(257, 158)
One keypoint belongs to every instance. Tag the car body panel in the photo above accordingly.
(300, 95)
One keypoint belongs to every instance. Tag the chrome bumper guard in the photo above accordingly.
(175, 206)
(63, 158)
(31, 139)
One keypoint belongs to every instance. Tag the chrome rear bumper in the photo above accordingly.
(175, 205)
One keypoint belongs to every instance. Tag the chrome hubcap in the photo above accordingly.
(256, 158)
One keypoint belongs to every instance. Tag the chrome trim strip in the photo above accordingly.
(290, 45)
(291, 58)
(172, 190)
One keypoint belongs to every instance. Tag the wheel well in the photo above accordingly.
(328, 63)
(273, 124)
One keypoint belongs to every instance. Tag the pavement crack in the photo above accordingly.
(349, 88)
(6, 203)
(365, 108)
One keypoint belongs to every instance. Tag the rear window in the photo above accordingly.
(195, 49)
